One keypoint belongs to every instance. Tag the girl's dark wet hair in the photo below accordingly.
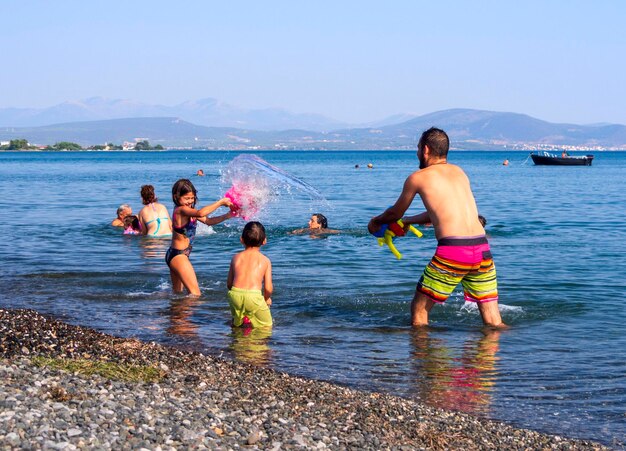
(147, 194)
(132, 221)
(253, 234)
(182, 187)
(321, 220)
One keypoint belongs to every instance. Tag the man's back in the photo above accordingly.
(446, 193)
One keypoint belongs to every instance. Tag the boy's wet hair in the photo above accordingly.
(253, 234)
(182, 187)
(321, 220)
(147, 194)
(483, 220)
(437, 141)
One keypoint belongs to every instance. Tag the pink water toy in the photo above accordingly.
(244, 203)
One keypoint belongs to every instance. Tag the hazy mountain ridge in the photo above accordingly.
(468, 129)
(209, 112)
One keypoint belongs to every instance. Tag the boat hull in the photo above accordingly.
(543, 160)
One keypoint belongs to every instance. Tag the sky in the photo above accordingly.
(354, 61)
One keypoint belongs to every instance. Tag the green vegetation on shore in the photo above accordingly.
(18, 144)
(64, 145)
(110, 370)
(23, 144)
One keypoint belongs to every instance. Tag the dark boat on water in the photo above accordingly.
(548, 159)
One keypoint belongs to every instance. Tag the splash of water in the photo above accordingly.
(255, 183)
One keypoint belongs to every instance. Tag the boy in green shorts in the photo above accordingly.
(250, 280)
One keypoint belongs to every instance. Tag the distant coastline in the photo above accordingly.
(178, 149)
(468, 130)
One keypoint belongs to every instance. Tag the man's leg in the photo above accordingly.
(490, 314)
(420, 306)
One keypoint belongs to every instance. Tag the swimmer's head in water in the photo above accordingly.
(253, 234)
(181, 188)
(147, 194)
(318, 221)
(124, 210)
(132, 222)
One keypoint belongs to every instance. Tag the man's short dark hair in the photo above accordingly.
(321, 220)
(253, 234)
(437, 141)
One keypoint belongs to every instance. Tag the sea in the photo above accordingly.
(341, 302)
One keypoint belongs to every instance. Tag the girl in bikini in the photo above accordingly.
(184, 223)
(154, 218)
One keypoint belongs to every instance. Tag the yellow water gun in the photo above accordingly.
(389, 232)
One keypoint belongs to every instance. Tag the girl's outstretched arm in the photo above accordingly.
(223, 202)
(216, 219)
(193, 213)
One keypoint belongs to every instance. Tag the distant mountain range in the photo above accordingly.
(208, 112)
(468, 129)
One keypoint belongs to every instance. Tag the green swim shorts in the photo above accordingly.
(251, 304)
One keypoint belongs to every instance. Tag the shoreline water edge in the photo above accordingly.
(197, 401)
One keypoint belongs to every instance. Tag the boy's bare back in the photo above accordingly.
(249, 269)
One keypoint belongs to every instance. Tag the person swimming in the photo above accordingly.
(122, 211)
(318, 224)
(155, 219)
(132, 225)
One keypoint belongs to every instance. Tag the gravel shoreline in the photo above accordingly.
(206, 402)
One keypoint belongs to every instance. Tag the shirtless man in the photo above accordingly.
(463, 254)
(122, 211)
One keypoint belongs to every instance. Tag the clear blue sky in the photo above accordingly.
(560, 60)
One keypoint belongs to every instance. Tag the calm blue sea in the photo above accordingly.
(341, 303)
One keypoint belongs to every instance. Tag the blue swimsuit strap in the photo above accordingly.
(157, 219)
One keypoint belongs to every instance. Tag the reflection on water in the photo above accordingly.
(251, 345)
(180, 313)
(153, 250)
(462, 383)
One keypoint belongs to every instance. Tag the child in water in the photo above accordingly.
(250, 280)
(184, 223)
(132, 225)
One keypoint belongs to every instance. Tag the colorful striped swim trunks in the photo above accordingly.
(465, 260)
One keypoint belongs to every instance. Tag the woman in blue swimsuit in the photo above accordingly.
(154, 218)
(184, 223)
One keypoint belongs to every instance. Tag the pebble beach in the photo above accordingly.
(194, 401)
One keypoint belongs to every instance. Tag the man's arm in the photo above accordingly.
(421, 219)
(395, 212)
